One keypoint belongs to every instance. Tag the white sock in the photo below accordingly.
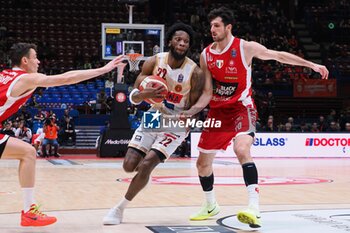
(122, 204)
(253, 195)
(210, 197)
(28, 198)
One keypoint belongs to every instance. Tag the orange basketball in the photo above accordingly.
(154, 81)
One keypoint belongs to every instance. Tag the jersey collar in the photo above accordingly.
(17, 68)
(225, 49)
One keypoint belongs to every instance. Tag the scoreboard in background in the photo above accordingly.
(145, 39)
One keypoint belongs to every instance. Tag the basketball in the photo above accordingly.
(153, 81)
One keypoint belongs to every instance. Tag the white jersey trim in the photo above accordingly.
(4, 139)
(244, 133)
(9, 90)
(243, 55)
(210, 151)
(204, 55)
(12, 100)
(245, 93)
(246, 101)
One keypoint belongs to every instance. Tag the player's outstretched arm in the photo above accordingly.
(254, 49)
(76, 76)
(34, 80)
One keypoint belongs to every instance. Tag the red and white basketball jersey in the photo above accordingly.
(10, 105)
(230, 73)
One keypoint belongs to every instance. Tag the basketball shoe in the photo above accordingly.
(113, 217)
(250, 216)
(35, 218)
(207, 211)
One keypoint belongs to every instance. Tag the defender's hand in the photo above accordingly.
(322, 70)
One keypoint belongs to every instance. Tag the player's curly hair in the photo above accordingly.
(179, 27)
(223, 12)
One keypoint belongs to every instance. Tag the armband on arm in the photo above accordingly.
(135, 91)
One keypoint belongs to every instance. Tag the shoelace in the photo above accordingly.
(35, 210)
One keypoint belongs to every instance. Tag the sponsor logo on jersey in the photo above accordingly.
(225, 89)
(219, 63)
(174, 97)
(221, 98)
(231, 63)
(233, 53)
(178, 88)
(231, 70)
(180, 78)
(230, 78)
(211, 65)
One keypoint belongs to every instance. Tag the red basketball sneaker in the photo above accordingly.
(35, 218)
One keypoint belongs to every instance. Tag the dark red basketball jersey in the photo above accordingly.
(10, 105)
(230, 73)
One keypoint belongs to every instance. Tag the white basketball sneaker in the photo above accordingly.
(113, 217)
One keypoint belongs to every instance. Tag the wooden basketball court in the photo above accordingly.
(80, 190)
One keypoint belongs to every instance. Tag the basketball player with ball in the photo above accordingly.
(173, 83)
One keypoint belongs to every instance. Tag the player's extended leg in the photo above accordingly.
(142, 177)
(26, 154)
(242, 147)
(140, 180)
(132, 159)
(206, 177)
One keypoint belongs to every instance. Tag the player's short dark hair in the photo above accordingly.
(223, 12)
(20, 50)
(179, 27)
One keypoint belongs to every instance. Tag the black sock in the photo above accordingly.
(250, 174)
(207, 182)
